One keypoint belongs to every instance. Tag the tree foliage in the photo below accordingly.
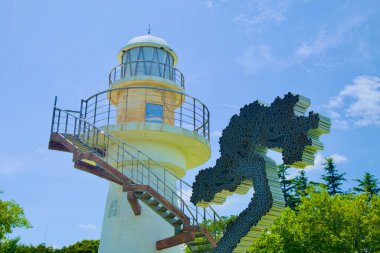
(85, 246)
(368, 185)
(332, 178)
(287, 185)
(11, 216)
(324, 223)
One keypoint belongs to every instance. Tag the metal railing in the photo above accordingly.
(146, 68)
(128, 104)
(135, 164)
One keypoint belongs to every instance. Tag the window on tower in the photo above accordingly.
(113, 208)
(154, 113)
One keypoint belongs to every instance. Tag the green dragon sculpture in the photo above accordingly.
(282, 127)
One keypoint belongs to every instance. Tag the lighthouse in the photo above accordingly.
(154, 115)
(142, 133)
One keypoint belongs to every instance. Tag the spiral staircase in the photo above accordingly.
(72, 133)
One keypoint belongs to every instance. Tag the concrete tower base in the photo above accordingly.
(124, 232)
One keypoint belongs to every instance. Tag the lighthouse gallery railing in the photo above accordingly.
(180, 109)
(146, 68)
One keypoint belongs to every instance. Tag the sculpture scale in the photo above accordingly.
(282, 127)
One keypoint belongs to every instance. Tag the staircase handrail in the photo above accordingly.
(119, 142)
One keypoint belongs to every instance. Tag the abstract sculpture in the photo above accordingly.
(282, 127)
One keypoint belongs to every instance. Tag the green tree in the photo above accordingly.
(287, 185)
(301, 184)
(9, 245)
(324, 223)
(36, 249)
(333, 179)
(85, 246)
(368, 185)
(11, 216)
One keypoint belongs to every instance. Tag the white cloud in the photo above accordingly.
(88, 226)
(214, 3)
(320, 160)
(339, 158)
(327, 39)
(216, 133)
(254, 59)
(357, 104)
(209, 4)
(10, 165)
(321, 43)
(267, 15)
(260, 12)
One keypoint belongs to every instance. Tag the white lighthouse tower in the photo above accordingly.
(156, 117)
(142, 134)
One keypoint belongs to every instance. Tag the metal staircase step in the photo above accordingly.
(176, 222)
(153, 202)
(160, 209)
(168, 215)
(145, 196)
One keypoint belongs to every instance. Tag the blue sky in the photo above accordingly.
(231, 53)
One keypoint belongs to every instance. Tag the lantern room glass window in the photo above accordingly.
(148, 61)
(154, 113)
(152, 54)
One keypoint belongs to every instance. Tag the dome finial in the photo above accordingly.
(149, 29)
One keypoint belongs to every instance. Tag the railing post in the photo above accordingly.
(53, 118)
(107, 147)
(75, 126)
(59, 120)
(180, 111)
(85, 124)
(67, 121)
(180, 188)
(137, 165)
(122, 157)
(208, 125)
(117, 156)
(149, 171)
(109, 110)
(194, 112)
(96, 105)
(164, 181)
(203, 121)
(132, 166)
